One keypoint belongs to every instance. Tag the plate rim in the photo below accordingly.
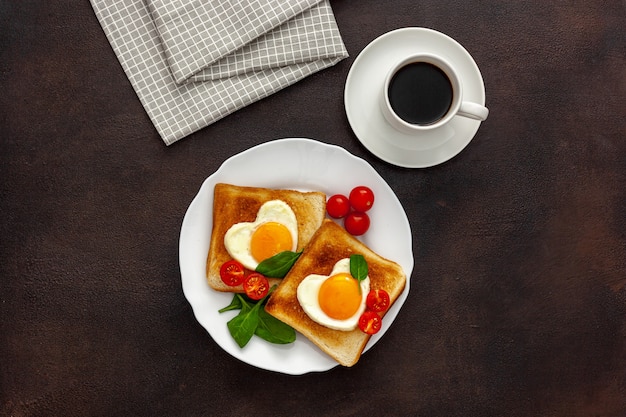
(194, 299)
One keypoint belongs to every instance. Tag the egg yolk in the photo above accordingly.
(269, 239)
(339, 296)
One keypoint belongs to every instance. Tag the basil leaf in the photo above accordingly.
(273, 330)
(243, 325)
(278, 265)
(358, 267)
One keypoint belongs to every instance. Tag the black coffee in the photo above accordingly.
(420, 93)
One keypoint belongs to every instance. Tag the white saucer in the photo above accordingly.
(365, 83)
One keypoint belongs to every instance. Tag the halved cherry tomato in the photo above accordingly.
(232, 273)
(338, 206)
(361, 198)
(357, 223)
(370, 322)
(256, 286)
(377, 300)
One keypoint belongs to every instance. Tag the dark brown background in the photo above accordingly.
(518, 296)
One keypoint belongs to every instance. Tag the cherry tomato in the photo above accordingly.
(256, 286)
(232, 273)
(370, 322)
(338, 206)
(361, 198)
(377, 300)
(357, 223)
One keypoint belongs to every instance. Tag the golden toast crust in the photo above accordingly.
(234, 204)
(330, 244)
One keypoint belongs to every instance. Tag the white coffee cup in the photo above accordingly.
(424, 92)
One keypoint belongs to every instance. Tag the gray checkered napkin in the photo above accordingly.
(193, 62)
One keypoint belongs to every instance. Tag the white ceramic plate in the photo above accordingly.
(364, 85)
(305, 165)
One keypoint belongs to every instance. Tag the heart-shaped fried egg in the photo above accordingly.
(275, 230)
(336, 300)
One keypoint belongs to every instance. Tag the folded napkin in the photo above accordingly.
(192, 62)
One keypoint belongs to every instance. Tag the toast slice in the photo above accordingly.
(330, 244)
(234, 204)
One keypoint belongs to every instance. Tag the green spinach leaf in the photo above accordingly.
(235, 304)
(358, 267)
(253, 319)
(273, 330)
(244, 324)
(278, 265)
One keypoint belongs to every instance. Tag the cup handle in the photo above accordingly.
(473, 111)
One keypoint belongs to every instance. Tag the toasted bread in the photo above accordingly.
(234, 204)
(330, 244)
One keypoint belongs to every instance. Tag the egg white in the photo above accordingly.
(308, 291)
(237, 238)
